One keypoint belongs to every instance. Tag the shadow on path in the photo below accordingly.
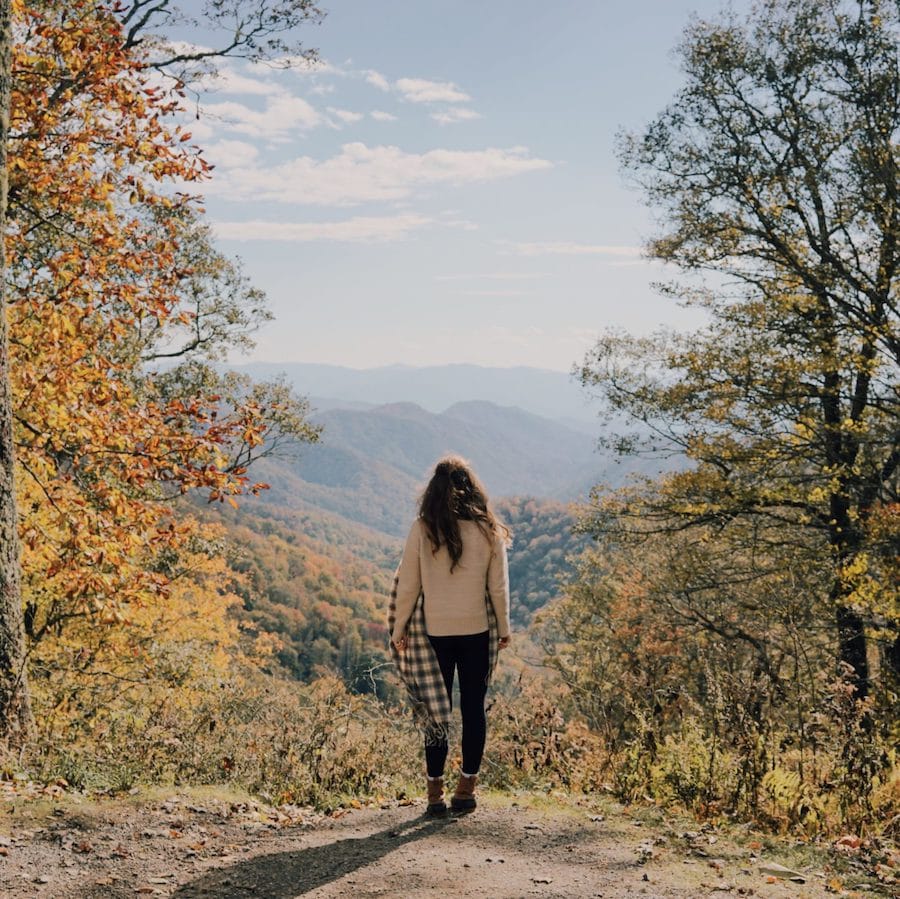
(283, 875)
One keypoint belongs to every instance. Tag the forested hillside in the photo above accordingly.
(543, 555)
(514, 451)
(370, 464)
(306, 584)
(318, 584)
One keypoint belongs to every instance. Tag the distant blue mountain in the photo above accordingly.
(551, 394)
(371, 463)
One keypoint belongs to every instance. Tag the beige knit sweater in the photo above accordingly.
(454, 601)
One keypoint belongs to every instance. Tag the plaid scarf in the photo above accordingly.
(420, 672)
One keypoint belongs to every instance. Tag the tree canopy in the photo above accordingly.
(111, 271)
(775, 174)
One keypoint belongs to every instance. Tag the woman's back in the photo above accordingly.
(455, 594)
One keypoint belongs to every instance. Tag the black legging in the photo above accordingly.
(467, 654)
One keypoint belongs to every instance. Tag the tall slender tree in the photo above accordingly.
(15, 708)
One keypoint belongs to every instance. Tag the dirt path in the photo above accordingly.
(192, 847)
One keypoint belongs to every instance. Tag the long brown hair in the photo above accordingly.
(453, 493)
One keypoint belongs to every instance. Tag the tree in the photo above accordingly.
(109, 269)
(776, 171)
(15, 711)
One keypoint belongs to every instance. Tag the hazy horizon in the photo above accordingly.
(550, 394)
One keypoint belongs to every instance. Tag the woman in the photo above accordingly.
(455, 559)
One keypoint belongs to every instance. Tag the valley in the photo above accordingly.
(318, 548)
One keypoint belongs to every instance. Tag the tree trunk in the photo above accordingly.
(892, 658)
(15, 707)
(852, 642)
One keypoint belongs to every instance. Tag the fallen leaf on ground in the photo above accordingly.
(848, 842)
(781, 871)
(885, 874)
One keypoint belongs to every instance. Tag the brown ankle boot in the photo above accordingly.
(464, 798)
(436, 804)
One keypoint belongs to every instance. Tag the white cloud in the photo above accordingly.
(345, 115)
(569, 248)
(376, 79)
(361, 229)
(282, 114)
(270, 110)
(229, 81)
(232, 154)
(381, 116)
(419, 90)
(360, 174)
(455, 114)
(202, 130)
(304, 66)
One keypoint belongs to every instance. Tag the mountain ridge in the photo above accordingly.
(386, 453)
(550, 394)
(371, 463)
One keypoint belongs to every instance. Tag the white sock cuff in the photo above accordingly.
(439, 777)
(468, 775)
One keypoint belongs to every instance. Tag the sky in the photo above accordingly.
(443, 187)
